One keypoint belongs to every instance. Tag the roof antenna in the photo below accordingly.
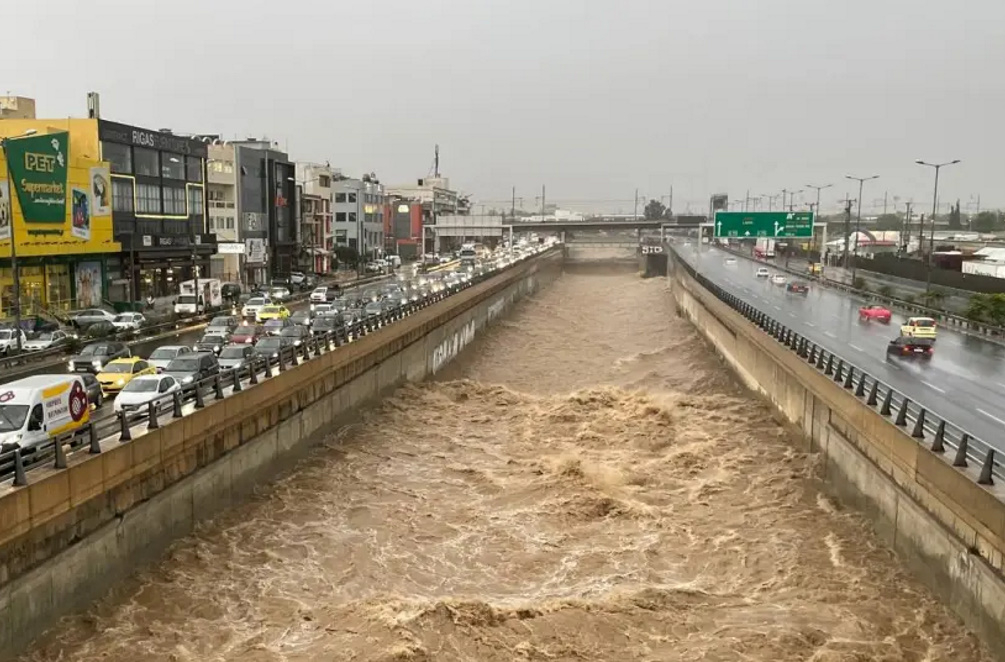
(436, 163)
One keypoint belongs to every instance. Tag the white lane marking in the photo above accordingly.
(933, 386)
(792, 314)
(1000, 384)
(777, 307)
(991, 416)
(856, 347)
(829, 334)
(810, 324)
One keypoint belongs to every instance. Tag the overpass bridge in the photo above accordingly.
(608, 224)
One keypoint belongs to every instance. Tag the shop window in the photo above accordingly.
(122, 194)
(146, 163)
(195, 204)
(119, 156)
(148, 199)
(57, 282)
(193, 169)
(172, 166)
(174, 201)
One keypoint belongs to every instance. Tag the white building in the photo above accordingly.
(359, 214)
(314, 183)
(221, 204)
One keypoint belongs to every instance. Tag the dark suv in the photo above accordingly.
(193, 367)
(92, 358)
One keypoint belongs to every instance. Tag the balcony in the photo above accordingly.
(221, 204)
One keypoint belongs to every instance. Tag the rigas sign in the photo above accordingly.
(131, 135)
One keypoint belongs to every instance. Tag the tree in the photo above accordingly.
(889, 222)
(654, 210)
(986, 221)
(955, 217)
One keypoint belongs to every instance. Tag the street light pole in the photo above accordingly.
(858, 222)
(935, 202)
(816, 208)
(15, 276)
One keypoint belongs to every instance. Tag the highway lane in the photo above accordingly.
(963, 382)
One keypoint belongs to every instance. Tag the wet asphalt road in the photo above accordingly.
(964, 382)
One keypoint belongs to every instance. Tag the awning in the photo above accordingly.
(318, 251)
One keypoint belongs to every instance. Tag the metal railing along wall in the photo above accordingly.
(130, 423)
(923, 424)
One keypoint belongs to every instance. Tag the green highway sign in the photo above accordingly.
(777, 224)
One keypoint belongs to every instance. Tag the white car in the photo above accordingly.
(279, 294)
(323, 308)
(129, 321)
(730, 260)
(778, 279)
(45, 341)
(141, 390)
(319, 295)
(8, 341)
(253, 305)
(762, 272)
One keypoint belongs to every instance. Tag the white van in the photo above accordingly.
(36, 409)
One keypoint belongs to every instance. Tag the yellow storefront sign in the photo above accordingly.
(87, 219)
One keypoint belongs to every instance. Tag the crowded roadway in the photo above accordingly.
(122, 380)
(961, 379)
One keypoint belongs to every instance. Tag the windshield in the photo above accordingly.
(123, 318)
(924, 322)
(186, 298)
(6, 333)
(95, 350)
(321, 290)
(245, 331)
(268, 343)
(212, 340)
(257, 301)
(184, 364)
(290, 331)
(141, 386)
(232, 353)
(12, 417)
(269, 310)
(118, 368)
(164, 353)
(220, 321)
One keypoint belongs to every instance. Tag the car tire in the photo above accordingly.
(101, 401)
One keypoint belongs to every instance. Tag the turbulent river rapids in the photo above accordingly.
(586, 482)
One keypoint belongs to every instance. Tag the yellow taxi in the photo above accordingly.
(116, 374)
(918, 327)
(272, 312)
(816, 268)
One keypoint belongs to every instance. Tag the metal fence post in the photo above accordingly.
(873, 393)
(236, 387)
(939, 443)
(125, 434)
(961, 451)
(887, 401)
(95, 442)
(60, 453)
(20, 479)
(849, 380)
(199, 403)
(860, 389)
(919, 425)
(176, 403)
(821, 364)
(153, 410)
(218, 386)
(253, 369)
(986, 475)
(902, 414)
(830, 365)
(282, 363)
(268, 367)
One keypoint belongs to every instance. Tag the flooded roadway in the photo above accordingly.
(586, 483)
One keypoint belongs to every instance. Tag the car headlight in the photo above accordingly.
(187, 380)
(249, 340)
(121, 382)
(96, 364)
(195, 348)
(71, 365)
(216, 348)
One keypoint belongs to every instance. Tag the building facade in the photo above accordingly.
(359, 215)
(266, 207)
(222, 209)
(158, 207)
(436, 198)
(314, 182)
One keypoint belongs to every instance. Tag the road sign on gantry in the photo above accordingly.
(775, 224)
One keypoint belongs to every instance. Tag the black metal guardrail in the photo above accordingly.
(147, 333)
(944, 316)
(923, 424)
(17, 463)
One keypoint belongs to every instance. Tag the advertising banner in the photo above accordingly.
(88, 281)
(101, 191)
(255, 250)
(81, 226)
(38, 172)
(5, 211)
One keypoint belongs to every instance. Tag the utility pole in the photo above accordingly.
(636, 204)
(847, 229)
(858, 220)
(512, 209)
(907, 226)
(542, 202)
(670, 207)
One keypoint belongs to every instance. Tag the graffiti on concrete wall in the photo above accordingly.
(450, 347)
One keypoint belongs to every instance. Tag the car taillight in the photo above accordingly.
(907, 350)
(929, 350)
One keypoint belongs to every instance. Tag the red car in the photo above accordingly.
(247, 334)
(878, 313)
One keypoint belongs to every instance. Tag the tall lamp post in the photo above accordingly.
(15, 277)
(858, 221)
(935, 202)
(816, 208)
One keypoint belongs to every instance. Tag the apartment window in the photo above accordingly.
(230, 223)
(193, 169)
(340, 197)
(340, 217)
(324, 181)
(174, 201)
(146, 163)
(172, 166)
(352, 217)
(350, 197)
(148, 199)
(119, 156)
(194, 201)
(226, 167)
(122, 194)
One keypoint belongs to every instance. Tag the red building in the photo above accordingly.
(403, 228)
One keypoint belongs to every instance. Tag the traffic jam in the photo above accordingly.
(238, 347)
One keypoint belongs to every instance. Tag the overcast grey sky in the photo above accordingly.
(592, 98)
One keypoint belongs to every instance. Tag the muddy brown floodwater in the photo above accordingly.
(586, 483)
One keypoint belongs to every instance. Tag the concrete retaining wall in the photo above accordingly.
(70, 534)
(947, 529)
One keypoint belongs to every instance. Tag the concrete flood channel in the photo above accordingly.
(70, 534)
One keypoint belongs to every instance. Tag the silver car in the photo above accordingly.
(162, 356)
